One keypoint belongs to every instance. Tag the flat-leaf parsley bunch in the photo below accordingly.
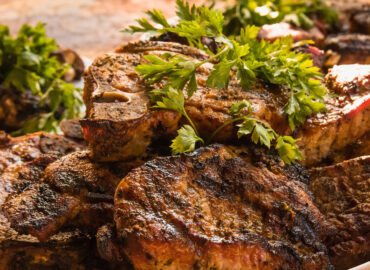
(26, 64)
(244, 55)
(260, 12)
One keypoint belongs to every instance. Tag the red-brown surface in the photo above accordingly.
(89, 26)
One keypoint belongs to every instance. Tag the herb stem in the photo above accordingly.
(228, 122)
(184, 113)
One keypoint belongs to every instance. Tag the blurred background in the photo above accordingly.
(90, 27)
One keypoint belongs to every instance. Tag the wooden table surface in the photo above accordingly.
(91, 27)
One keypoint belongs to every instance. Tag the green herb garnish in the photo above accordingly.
(249, 58)
(26, 64)
(260, 12)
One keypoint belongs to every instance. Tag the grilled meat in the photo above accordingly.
(347, 118)
(16, 108)
(120, 124)
(215, 209)
(360, 22)
(72, 129)
(342, 194)
(71, 58)
(272, 32)
(357, 149)
(345, 49)
(66, 250)
(109, 248)
(31, 146)
(71, 187)
(74, 192)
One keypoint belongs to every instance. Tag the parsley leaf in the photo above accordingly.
(25, 64)
(236, 108)
(288, 149)
(262, 133)
(244, 56)
(185, 141)
(260, 12)
(178, 70)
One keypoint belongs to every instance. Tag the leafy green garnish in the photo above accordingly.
(243, 55)
(261, 132)
(274, 62)
(170, 99)
(185, 141)
(260, 12)
(26, 64)
(236, 108)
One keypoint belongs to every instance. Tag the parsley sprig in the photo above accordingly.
(26, 64)
(274, 62)
(244, 55)
(260, 12)
(171, 99)
(261, 132)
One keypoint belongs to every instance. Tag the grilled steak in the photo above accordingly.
(215, 209)
(74, 192)
(342, 194)
(272, 32)
(360, 22)
(347, 118)
(120, 124)
(67, 250)
(72, 129)
(347, 49)
(31, 146)
(357, 149)
(64, 251)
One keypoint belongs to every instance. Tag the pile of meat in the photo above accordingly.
(123, 202)
(110, 195)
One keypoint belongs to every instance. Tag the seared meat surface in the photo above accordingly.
(342, 194)
(216, 209)
(347, 118)
(31, 146)
(272, 32)
(357, 149)
(346, 49)
(74, 192)
(24, 160)
(64, 251)
(72, 129)
(360, 22)
(120, 123)
(16, 108)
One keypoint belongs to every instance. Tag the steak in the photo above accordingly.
(28, 147)
(215, 208)
(357, 149)
(360, 22)
(271, 32)
(73, 192)
(346, 49)
(72, 129)
(66, 250)
(121, 125)
(347, 118)
(342, 194)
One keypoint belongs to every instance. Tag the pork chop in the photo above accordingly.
(72, 192)
(215, 209)
(31, 146)
(120, 123)
(342, 194)
(69, 250)
(344, 49)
